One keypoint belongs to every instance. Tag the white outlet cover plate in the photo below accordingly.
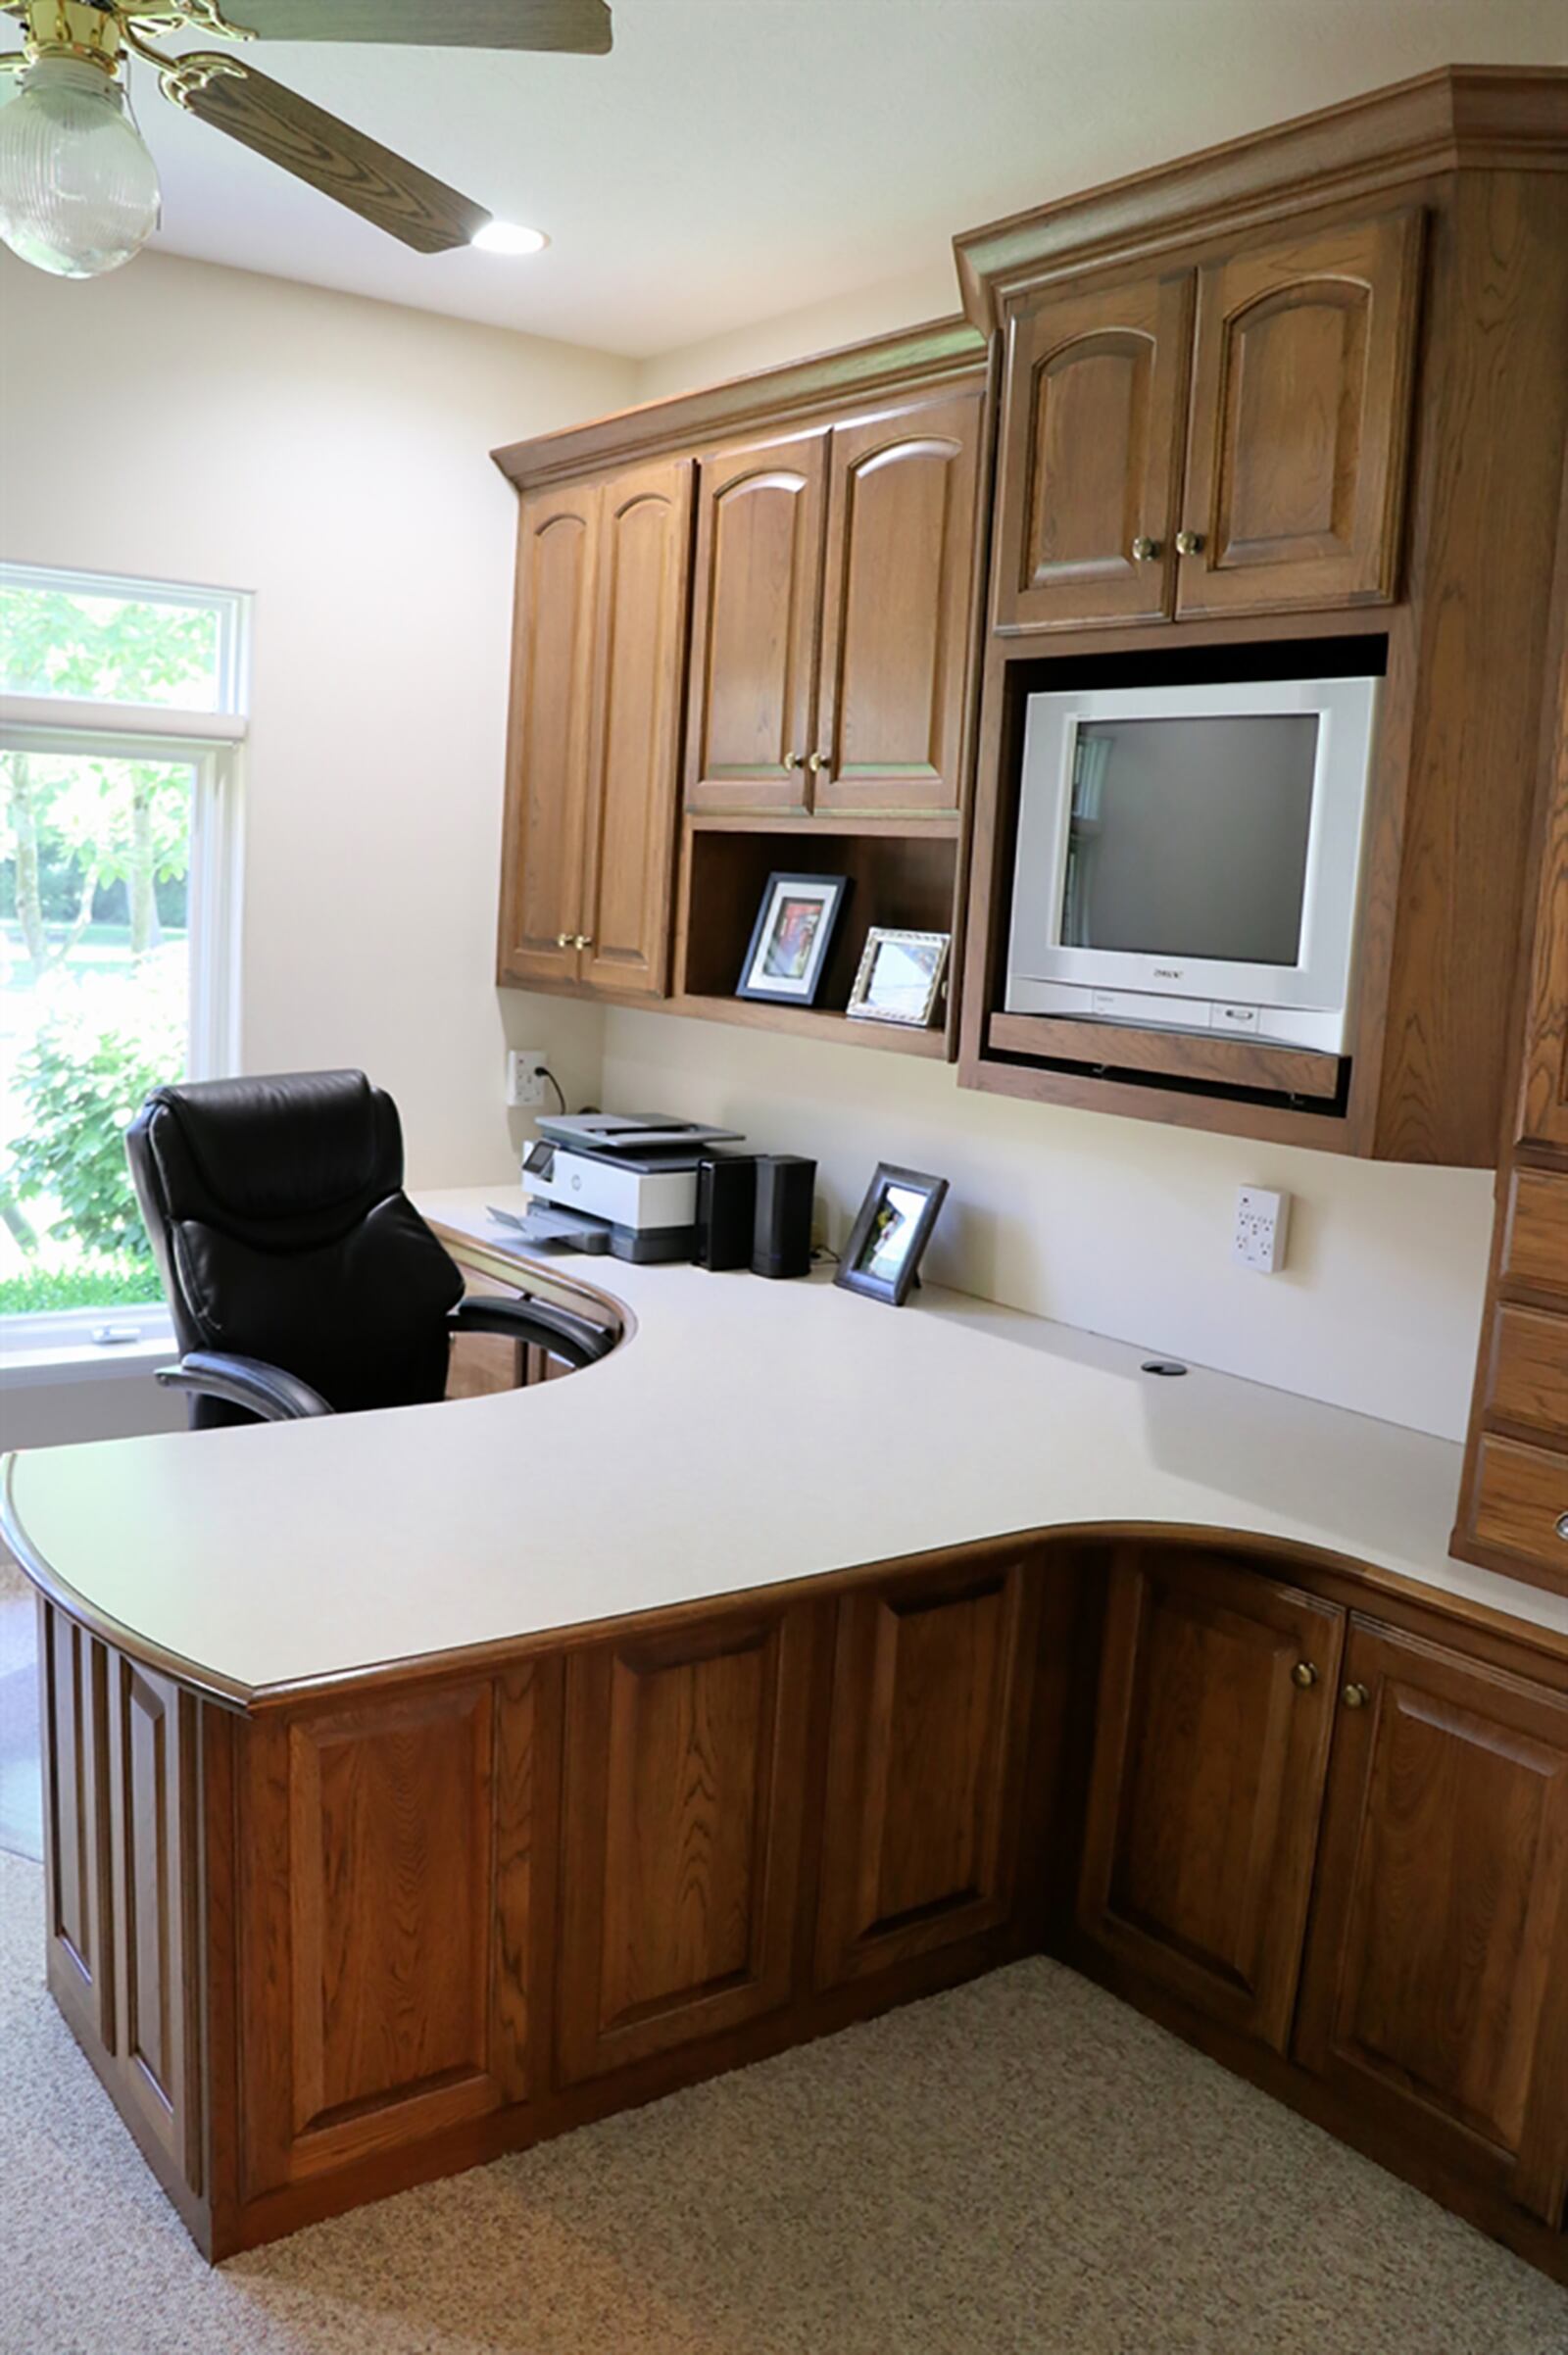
(1262, 1222)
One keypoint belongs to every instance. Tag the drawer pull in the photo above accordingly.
(1356, 1696)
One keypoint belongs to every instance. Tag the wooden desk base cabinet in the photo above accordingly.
(346, 1939)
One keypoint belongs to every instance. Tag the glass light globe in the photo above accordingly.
(79, 191)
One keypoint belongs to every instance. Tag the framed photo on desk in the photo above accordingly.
(882, 1258)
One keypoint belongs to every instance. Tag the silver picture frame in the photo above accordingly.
(902, 977)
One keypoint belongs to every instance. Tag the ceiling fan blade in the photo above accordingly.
(345, 165)
(582, 26)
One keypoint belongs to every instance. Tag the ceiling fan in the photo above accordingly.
(78, 189)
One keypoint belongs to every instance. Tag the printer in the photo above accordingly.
(625, 1183)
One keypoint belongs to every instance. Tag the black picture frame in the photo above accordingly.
(858, 1271)
(829, 892)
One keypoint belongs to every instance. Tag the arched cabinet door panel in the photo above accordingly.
(634, 747)
(897, 610)
(1301, 383)
(756, 603)
(547, 756)
(1096, 407)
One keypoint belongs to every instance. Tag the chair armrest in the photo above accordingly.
(265, 1390)
(560, 1331)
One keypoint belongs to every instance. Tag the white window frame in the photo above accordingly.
(74, 1344)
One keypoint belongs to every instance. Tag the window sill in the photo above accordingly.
(35, 1350)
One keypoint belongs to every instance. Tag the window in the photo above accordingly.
(121, 720)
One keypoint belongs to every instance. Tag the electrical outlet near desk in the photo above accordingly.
(1262, 1221)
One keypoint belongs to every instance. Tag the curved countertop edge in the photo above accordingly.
(1548, 1638)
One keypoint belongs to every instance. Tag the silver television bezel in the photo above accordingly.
(1312, 998)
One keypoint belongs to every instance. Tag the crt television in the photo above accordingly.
(1189, 857)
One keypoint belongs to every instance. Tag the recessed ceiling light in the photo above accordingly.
(507, 237)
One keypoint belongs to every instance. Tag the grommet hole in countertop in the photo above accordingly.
(1167, 1366)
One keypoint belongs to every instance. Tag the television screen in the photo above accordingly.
(1189, 836)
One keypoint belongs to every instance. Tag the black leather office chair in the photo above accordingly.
(301, 1279)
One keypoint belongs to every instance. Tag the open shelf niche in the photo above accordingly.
(906, 880)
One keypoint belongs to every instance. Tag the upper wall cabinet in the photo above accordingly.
(596, 714)
(1295, 397)
(832, 614)
(1296, 460)
(1097, 403)
(760, 517)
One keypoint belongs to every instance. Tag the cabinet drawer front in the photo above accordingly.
(1535, 1251)
(1529, 1382)
(1522, 1503)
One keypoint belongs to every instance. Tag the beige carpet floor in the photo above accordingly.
(1022, 2167)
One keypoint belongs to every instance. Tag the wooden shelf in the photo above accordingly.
(811, 1022)
(910, 827)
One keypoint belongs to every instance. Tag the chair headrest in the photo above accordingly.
(302, 1154)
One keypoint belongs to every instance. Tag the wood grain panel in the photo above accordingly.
(1521, 1497)
(897, 600)
(685, 1758)
(76, 1859)
(388, 1985)
(1209, 1762)
(756, 610)
(1535, 1251)
(153, 1819)
(929, 1718)
(639, 651)
(1435, 1985)
(1296, 460)
(547, 753)
(1095, 408)
(1527, 1382)
(1187, 1054)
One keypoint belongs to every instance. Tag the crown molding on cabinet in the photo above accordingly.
(1460, 117)
(923, 359)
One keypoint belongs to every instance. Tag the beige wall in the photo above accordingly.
(330, 454)
(1118, 1225)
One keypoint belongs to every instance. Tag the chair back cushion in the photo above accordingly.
(276, 1211)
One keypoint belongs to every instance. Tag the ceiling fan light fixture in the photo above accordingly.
(507, 237)
(78, 189)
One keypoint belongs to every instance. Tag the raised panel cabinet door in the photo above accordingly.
(1095, 408)
(77, 1878)
(680, 1863)
(755, 612)
(152, 1781)
(926, 1750)
(897, 610)
(1436, 1989)
(1301, 420)
(634, 747)
(388, 1855)
(1216, 1708)
(548, 740)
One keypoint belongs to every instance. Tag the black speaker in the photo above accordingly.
(786, 1188)
(727, 1209)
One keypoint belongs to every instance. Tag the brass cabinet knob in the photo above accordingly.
(1562, 1527)
(1144, 551)
(564, 940)
(818, 761)
(1189, 543)
(1306, 1674)
(580, 940)
(795, 760)
(1356, 1696)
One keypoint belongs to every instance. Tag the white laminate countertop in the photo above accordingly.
(747, 1432)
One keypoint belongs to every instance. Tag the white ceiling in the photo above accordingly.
(734, 158)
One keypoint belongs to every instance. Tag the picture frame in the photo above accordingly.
(901, 977)
(790, 942)
(887, 1242)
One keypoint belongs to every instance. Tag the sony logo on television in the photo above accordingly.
(1167, 972)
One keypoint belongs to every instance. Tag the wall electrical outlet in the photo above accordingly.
(525, 1077)
(1262, 1221)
